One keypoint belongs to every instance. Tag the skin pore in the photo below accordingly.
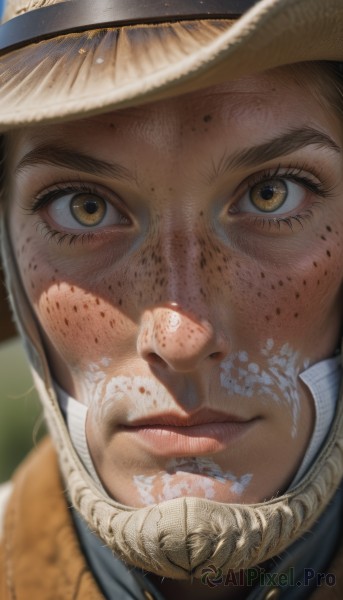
(209, 279)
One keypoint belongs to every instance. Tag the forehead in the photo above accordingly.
(286, 96)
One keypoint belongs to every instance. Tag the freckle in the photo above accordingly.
(289, 278)
(297, 295)
(262, 275)
(304, 282)
(120, 302)
(323, 238)
(315, 264)
(97, 301)
(296, 315)
(58, 305)
(142, 390)
(273, 287)
(72, 289)
(32, 285)
(35, 267)
(325, 273)
(201, 213)
(278, 311)
(56, 270)
(259, 294)
(66, 322)
(75, 308)
(102, 314)
(96, 340)
(267, 318)
(110, 288)
(207, 118)
(85, 306)
(328, 228)
(48, 310)
(328, 253)
(281, 282)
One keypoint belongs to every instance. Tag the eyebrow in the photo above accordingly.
(282, 145)
(59, 156)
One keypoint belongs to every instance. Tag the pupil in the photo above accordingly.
(91, 206)
(267, 193)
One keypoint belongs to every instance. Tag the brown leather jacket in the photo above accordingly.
(40, 556)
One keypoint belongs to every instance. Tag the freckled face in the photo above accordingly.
(182, 280)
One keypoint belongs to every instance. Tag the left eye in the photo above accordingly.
(271, 196)
(84, 209)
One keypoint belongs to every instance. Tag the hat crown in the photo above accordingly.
(18, 7)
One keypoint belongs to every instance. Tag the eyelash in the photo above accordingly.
(42, 200)
(321, 189)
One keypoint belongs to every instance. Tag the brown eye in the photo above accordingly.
(88, 209)
(269, 195)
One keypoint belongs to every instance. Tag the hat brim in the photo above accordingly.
(83, 74)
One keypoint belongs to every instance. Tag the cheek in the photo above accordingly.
(284, 300)
(78, 323)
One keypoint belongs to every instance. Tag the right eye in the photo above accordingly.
(84, 210)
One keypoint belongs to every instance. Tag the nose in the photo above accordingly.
(170, 338)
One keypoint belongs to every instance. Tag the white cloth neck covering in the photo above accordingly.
(322, 380)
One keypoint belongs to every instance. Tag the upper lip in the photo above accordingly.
(201, 417)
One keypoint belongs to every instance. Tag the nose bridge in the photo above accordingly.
(185, 278)
(182, 324)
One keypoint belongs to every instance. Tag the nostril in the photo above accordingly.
(154, 359)
(216, 355)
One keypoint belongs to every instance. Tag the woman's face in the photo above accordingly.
(184, 262)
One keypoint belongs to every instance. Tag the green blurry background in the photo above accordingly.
(20, 413)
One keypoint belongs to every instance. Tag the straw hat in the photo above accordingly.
(60, 60)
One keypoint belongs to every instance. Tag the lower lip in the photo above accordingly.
(207, 438)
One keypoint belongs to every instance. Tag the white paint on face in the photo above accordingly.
(144, 485)
(92, 382)
(188, 476)
(173, 322)
(277, 380)
(144, 396)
